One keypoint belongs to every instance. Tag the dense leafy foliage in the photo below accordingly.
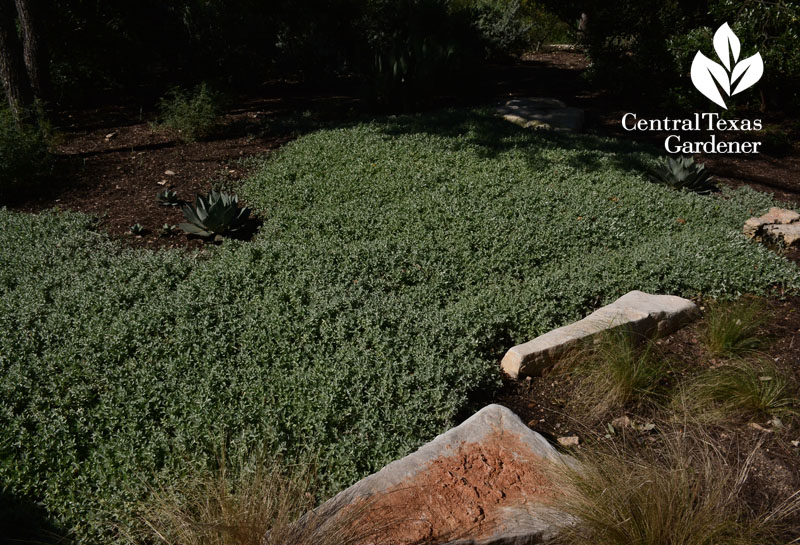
(193, 114)
(398, 260)
(419, 48)
(648, 49)
(25, 159)
(238, 44)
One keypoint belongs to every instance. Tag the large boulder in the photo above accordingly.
(488, 481)
(640, 313)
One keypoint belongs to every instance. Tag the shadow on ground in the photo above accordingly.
(24, 521)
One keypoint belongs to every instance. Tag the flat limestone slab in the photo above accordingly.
(640, 312)
(542, 113)
(789, 234)
(484, 482)
(777, 225)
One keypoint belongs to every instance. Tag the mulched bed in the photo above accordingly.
(545, 404)
(112, 160)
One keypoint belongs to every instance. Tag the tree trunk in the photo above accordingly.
(34, 46)
(12, 69)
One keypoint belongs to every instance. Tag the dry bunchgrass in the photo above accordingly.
(732, 329)
(742, 389)
(677, 492)
(620, 369)
(269, 503)
(256, 504)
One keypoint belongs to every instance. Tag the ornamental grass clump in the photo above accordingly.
(732, 329)
(742, 389)
(618, 371)
(263, 501)
(678, 491)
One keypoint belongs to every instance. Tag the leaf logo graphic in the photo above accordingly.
(732, 76)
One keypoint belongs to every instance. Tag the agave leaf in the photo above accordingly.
(189, 214)
(201, 209)
(194, 230)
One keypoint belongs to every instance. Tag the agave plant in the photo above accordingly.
(683, 173)
(214, 215)
(168, 197)
(167, 229)
(136, 229)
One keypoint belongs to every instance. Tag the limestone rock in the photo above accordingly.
(542, 113)
(777, 225)
(484, 482)
(789, 234)
(641, 313)
(569, 441)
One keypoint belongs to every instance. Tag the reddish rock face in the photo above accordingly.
(488, 481)
(463, 495)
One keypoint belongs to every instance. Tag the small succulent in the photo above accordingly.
(136, 229)
(683, 173)
(168, 229)
(214, 215)
(168, 197)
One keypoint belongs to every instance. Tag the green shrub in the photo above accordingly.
(545, 27)
(192, 114)
(776, 141)
(502, 26)
(648, 49)
(397, 262)
(25, 159)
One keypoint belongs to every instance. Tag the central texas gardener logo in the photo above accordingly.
(732, 76)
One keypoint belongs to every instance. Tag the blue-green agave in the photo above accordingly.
(168, 197)
(683, 173)
(216, 214)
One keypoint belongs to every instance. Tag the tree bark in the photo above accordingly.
(34, 46)
(12, 69)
